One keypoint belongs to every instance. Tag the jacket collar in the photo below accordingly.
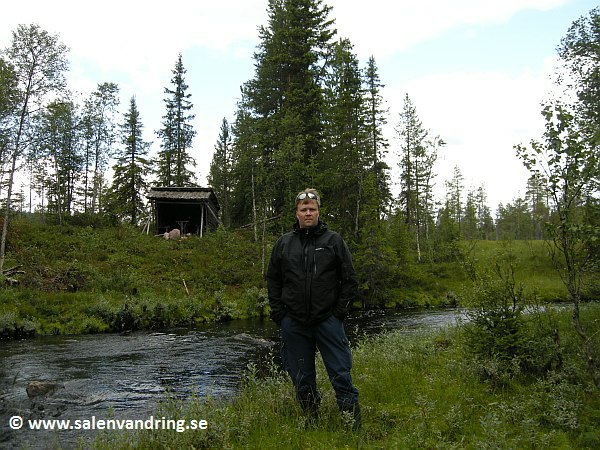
(317, 230)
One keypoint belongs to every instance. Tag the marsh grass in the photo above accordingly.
(416, 391)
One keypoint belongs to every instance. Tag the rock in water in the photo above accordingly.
(42, 388)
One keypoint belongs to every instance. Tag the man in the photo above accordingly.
(311, 283)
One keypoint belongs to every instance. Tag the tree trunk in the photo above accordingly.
(7, 211)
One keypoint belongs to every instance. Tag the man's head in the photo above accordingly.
(308, 203)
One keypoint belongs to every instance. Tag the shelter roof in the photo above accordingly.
(182, 193)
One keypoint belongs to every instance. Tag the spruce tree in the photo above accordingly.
(376, 119)
(282, 105)
(126, 195)
(174, 159)
(345, 163)
(418, 153)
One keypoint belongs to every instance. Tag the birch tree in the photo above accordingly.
(99, 131)
(569, 163)
(39, 61)
(567, 159)
(58, 145)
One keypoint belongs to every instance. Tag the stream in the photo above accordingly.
(124, 376)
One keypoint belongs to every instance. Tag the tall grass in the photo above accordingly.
(533, 265)
(416, 391)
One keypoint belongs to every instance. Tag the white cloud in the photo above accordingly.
(138, 37)
(135, 43)
(481, 116)
(383, 27)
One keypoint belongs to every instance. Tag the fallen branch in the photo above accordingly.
(8, 275)
(13, 271)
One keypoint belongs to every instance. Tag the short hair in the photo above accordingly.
(306, 195)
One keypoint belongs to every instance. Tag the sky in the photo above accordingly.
(477, 71)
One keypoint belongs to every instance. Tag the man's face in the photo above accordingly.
(307, 213)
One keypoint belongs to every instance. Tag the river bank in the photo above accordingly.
(86, 280)
(126, 375)
(420, 383)
(418, 390)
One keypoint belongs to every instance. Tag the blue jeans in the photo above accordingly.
(298, 351)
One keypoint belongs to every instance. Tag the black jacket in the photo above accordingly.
(310, 276)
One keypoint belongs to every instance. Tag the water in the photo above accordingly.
(124, 376)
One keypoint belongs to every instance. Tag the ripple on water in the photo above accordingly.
(126, 375)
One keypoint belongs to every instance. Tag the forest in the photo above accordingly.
(310, 116)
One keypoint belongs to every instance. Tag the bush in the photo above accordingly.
(12, 326)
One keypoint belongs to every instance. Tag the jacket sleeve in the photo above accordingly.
(275, 285)
(348, 282)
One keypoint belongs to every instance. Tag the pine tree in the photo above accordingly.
(454, 196)
(126, 196)
(412, 136)
(177, 134)
(536, 196)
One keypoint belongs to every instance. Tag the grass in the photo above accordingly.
(416, 391)
(533, 266)
(86, 280)
(90, 279)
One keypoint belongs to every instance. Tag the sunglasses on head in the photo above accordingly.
(303, 195)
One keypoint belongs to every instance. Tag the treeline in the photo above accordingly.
(65, 146)
(311, 116)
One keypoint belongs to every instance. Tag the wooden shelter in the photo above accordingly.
(190, 209)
